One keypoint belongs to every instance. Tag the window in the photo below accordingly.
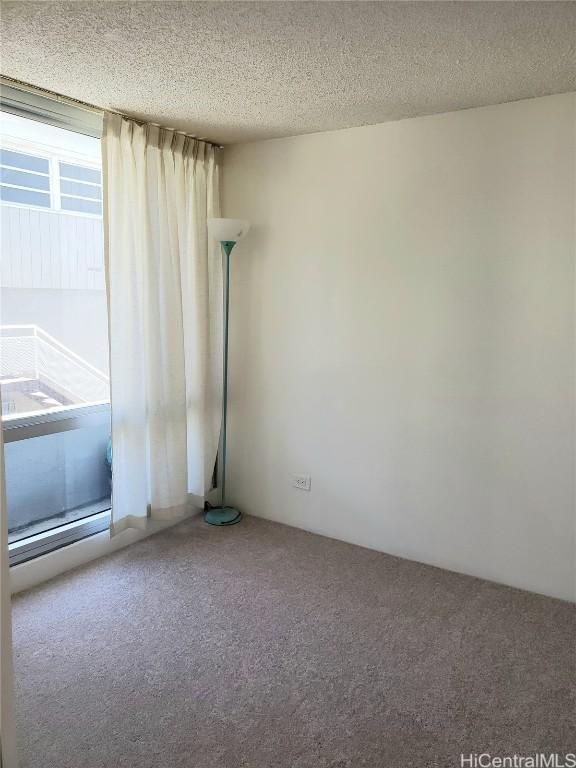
(53, 334)
(49, 182)
(24, 179)
(80, 189)
(27, 162)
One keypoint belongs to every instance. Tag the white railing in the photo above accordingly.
(28, 352)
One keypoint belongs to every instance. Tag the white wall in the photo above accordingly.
(403, 331)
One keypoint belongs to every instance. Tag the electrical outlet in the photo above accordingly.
(302, 482)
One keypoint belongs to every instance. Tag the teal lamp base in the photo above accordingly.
(222, 516)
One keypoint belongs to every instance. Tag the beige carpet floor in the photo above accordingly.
(262, 646)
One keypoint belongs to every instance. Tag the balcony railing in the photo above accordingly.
(56, 425)
(29, 354)
(58, 479)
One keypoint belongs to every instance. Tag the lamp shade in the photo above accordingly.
(228, 230)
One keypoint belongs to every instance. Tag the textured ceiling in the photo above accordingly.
(240, 71)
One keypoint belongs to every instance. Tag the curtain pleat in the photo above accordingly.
(164, 281)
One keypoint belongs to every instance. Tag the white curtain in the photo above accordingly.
(164, 281)
(8, 758)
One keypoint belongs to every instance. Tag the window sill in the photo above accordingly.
(42, 543)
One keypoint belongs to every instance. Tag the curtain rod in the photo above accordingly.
(23, 86)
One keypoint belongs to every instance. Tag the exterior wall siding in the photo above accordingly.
(50, 249)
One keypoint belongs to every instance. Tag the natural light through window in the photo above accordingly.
(54, 344)
(53, 327)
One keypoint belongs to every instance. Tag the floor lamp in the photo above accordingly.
(227, 232)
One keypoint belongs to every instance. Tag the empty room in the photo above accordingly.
(288, 384)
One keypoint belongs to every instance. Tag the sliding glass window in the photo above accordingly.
(53, 328)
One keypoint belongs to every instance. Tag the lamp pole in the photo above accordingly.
(227, 232)
(227, 246)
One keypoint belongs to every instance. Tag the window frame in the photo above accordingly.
(33, 105)
(49, 541)
(52, 111)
